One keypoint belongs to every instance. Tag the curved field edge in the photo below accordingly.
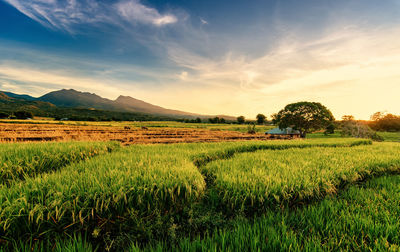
(362, 218)
(121, 192)
(21, 160)
(225, 152)
(252, 182)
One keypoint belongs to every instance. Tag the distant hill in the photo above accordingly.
(11, 104)
(25, 97)
(70, 98)
(73, 98)
(4, 97)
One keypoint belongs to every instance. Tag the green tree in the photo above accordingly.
(241, 119)
(330, 129)
(198, 120)
(347, 118)
(305, 117)
(23, 114)
(215, 120)
(261, 118)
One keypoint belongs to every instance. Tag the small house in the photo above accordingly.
(285, 133)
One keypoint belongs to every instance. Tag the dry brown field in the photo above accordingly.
(53, 132)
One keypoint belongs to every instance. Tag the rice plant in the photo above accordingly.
(264, 178)
(362, 218)
(141, 189)
(20, 160)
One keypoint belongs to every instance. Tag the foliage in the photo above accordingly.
(330, 129)
(348, 118)
(385, 122)
(241, 119)
(23, 114)
(359, 130)
(251, 128)
(261, 118)
(4, 115)
(216, 120)
(304, 116)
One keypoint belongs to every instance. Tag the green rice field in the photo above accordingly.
(227, 196)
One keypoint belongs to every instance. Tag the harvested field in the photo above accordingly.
(53, 132)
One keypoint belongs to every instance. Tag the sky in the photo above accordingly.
(236, 57)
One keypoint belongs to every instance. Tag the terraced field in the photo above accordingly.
(190, 197)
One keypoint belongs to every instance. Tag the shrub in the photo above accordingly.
(23, 114)
(4, 115)
(359, 130)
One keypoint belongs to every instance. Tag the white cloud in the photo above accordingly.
(346, 69)
(183, 75)
(134, 11)
(203, 21)
(39, 78)
(66, 14)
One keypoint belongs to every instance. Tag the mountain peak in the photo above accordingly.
(125, 98)
(76, 99)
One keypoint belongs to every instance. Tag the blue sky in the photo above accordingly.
(212, 57)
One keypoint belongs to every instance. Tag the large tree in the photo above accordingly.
(305, 117)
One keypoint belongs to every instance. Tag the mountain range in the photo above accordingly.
(70, 98)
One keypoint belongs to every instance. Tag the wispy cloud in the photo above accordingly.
(134, 11)
(342, 61)
(360, 64)
(68, 14)
(203, 21)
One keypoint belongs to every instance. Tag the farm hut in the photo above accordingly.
(286, 132)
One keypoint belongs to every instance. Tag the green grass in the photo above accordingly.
(73, 244)
(390, 136)
(21, 160)
(123, 191)
(255, 181)
(362, 218)
(120, 189)
(322, 135)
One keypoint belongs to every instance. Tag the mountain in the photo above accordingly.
(130, 103)
(70, 98)
(25, 97)
(8, 103)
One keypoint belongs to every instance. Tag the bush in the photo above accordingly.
(359, 130)
(330, 129)
(251, 128)
(388, 122)
(23, 114)
(4, 115)
(241, 119)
